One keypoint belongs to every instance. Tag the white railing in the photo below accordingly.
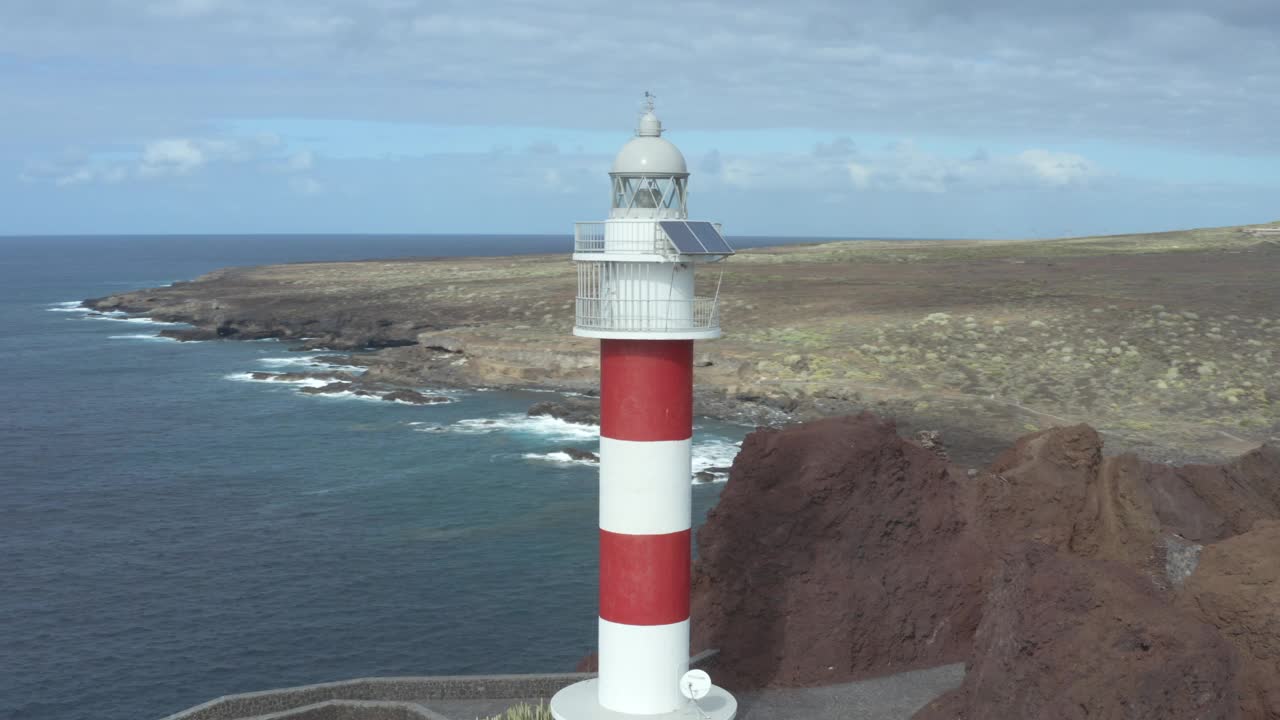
(588, 237)
(626, 238)
(701, 313)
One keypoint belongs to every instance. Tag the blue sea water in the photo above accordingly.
(170, 532)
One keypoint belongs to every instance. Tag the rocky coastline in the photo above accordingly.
(1166, 343)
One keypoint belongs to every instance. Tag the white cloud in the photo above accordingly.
(860, 175)
(1057, 168)
(301, 160)
(903, 167)
(1184, 72)
(173, 156)
(306, 186)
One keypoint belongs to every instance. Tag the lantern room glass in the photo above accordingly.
(649, 196)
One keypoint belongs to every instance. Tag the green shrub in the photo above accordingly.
(525, 711)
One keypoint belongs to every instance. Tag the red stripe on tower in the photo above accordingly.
(646, 389)
(644, 579)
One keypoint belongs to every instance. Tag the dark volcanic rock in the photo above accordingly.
(1065, 637)
(413, 397)
(190, 334)
(577, 454)
(1236, 587)
(570, 409)
(837, 550)
(331, 388)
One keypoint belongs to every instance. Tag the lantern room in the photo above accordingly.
(636, 270)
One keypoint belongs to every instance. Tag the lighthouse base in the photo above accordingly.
(580, 701)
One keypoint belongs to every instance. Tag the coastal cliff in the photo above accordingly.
(1074, 584)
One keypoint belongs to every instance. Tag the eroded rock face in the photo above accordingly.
(1206, 503)
(1068, 637)
(1055, 487)
(1236, 587)
(837, 550)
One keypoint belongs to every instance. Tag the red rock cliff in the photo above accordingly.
(839, 550)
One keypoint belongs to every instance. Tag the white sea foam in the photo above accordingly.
(308, 361)
(72, 306)
(301, 382)
(141, 336)
(558, 457)
(707, 454)
(549, 427)
(406, 402)
(120, 317)
(300, 360)
(714, 452)
(346, 395)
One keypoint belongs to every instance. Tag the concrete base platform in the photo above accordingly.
(580, 701)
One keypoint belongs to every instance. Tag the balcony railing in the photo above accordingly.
(636, 239)
(701, 313)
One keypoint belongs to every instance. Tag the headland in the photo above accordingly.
(1164, 342)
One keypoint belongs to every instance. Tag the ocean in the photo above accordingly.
(171, 532)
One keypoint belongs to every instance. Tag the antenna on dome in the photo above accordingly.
(648, 101)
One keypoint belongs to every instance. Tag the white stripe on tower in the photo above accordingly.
(642, 675)
(644, 486)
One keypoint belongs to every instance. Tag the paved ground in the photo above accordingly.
(896, 697)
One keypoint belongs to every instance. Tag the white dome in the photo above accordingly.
(649, 155)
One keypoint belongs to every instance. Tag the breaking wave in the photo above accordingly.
(548, 427)
(121, 317)
(714, 453)
(143, 336)
(308, 361)
(559, 458)
(345, 395)
(300, 382)
(72, 306)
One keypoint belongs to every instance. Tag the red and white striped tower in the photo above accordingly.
(636, 295)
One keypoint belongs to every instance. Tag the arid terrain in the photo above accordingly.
(1166, 342)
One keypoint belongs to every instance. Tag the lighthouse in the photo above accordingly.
(637, 296)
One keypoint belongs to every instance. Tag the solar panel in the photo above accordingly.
(710, 238)
(682, 237)
(695, 238)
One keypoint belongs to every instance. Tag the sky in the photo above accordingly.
(830, 118)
